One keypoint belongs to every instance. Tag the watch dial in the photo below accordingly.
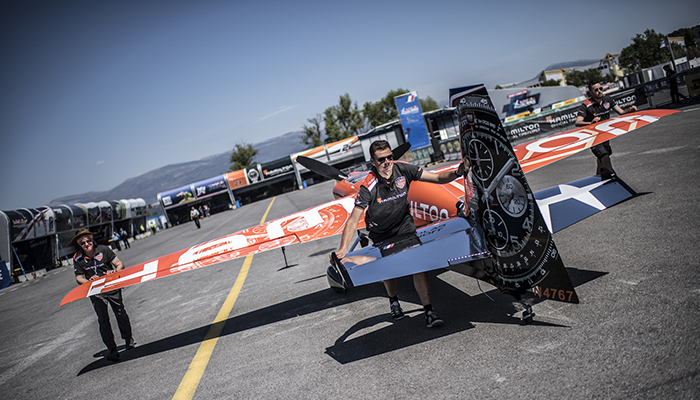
(483, 160)
(511, 196)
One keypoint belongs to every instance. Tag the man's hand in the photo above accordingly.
(632, 109)
(340, 253)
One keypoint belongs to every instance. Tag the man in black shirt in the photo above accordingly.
(595, 109)
(92, 262)
(384, 196)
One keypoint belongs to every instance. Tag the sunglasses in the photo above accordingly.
(84, 242)
(381, 160)
(600, 89)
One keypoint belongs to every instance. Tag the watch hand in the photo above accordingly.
(504, 170)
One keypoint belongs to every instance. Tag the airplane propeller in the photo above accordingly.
(331, 172)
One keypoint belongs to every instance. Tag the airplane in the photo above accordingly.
(488, 225)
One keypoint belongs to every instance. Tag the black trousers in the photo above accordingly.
(114, 299)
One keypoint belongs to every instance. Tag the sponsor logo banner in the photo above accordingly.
(412, 120)
(210, 186)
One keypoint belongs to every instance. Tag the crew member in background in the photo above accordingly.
(194, 216)
(673, 83)
(91, 262)
(384, 196)
(595, 109)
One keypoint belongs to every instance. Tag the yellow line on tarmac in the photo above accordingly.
(201, 359)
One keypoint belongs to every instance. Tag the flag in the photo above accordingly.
(664, 43)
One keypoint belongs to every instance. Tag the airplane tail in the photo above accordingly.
(525, 257)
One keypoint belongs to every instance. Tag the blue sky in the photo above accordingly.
(95, 92)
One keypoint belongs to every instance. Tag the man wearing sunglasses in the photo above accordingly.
(384, 196)
(595, 109)
(91, 262)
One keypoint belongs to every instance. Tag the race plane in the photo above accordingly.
(489, 225)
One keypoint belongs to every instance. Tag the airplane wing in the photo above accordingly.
(545, 151)
(314, 223)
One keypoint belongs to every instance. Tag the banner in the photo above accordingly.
(236, 179)
(210, 186)
(176, 196)
(277, 167)
(412, 120)
(521, 102)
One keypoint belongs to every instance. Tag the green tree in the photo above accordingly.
(313, 133)
(644, 52)
(581, 78)
(428, 104)
(550, 82)
(242, 156)
(384, 110)
(343, 120)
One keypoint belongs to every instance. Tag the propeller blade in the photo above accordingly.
(401, 150)
(321, 168)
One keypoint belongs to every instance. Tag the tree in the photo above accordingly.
(428, 104)
(343, 120)
(384, 110)
(644, 52)
(242, 156)
(550, 82)
(581, 78)
(313, 134)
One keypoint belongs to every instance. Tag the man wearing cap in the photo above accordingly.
(91, 262)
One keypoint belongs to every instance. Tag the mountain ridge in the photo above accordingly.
(171, 176)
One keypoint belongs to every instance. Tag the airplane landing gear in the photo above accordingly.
(527, 315)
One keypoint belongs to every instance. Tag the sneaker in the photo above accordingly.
(432, 319)
(396, 311)
(130, 344)
(112, 355)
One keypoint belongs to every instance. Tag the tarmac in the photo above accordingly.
(256, 328)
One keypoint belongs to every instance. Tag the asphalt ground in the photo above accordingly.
(635, 333)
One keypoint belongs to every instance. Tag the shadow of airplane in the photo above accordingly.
(457, 308)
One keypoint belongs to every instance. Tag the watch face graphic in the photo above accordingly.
(496, 229)
(483, 160)
(511, 196)
(525, 258)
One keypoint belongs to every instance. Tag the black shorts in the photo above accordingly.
(398, 239)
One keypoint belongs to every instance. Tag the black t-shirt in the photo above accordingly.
(590, 109)
(99, 264)
(386, 202)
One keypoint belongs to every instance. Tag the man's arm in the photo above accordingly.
(620, 111)
(581, 122)
(118, 265)
(349, 231)
(444, 176)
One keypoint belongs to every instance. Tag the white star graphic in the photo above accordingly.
(570, 192)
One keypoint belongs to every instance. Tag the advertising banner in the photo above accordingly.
(521, 101)
(210, 186)
(277, 167)
(236, 179)
(29, 224)
(253, 173)
(412, 120)
(177, 196)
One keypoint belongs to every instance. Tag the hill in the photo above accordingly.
(148, 185)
